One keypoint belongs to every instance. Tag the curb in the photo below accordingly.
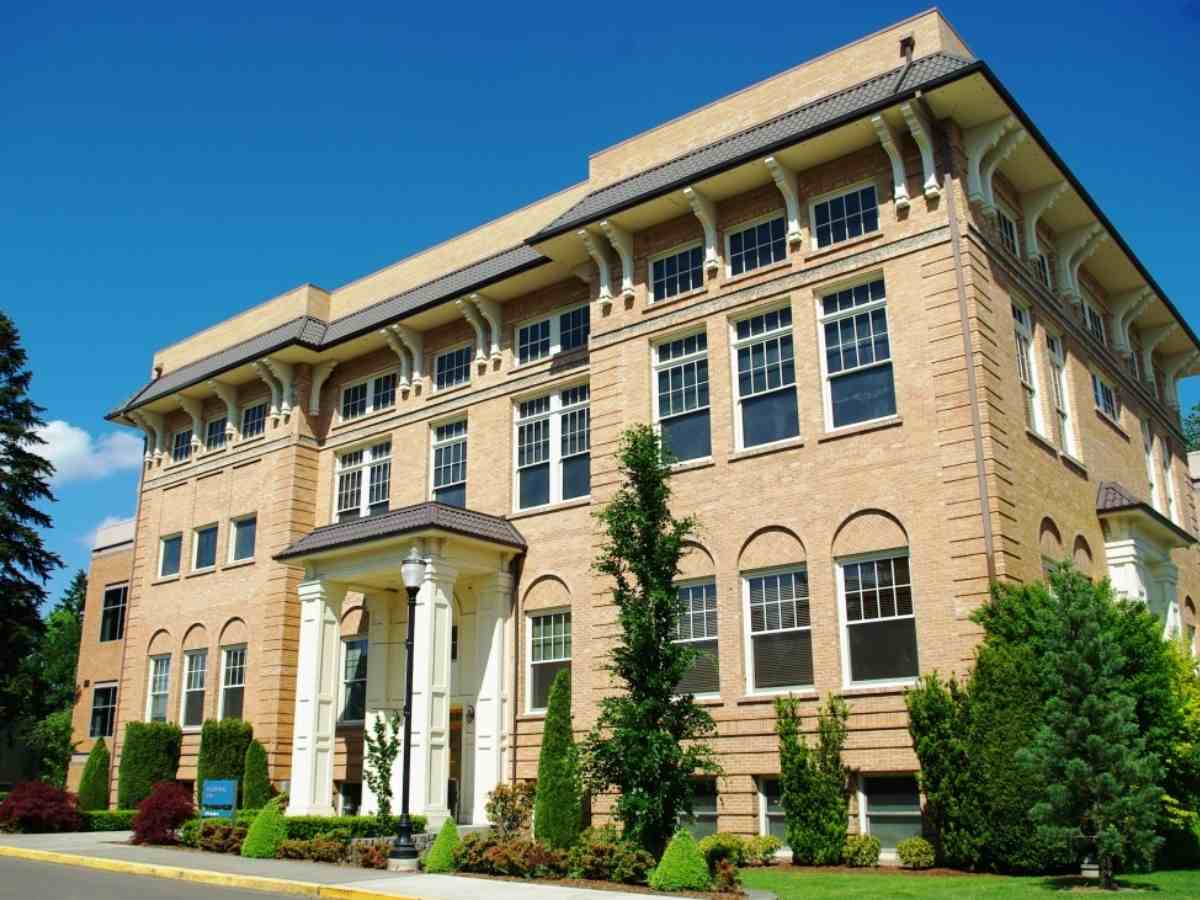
(201, 876)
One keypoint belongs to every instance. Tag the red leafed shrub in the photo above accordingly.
(36, 807)
(162, 813)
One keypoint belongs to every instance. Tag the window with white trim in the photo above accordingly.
(452, 368)
(773, 820)
(1107, 401)
(233, 681)
(681, 403)
(780, 643)
(1008, 231)
(1062, 397)
(159, 688)
(704, 808)
(558, 333)
(195, 673)
(857, 355)
(891, 808)
(204, 548)
(549, 654)
(354, 680)
(254, 420)
(1094, 319)
(697, 626)
(245, 533)
(1168, 482)
(881, 633)
(104, 711)
(369, 396)
(1042, 266)
(450, 463)
(553, 447)
(214, 433)
(845, 216)
(1151, 468)
(181, 445)
(677, 272)
(370, 464)
(1023, 333)
(170, 550)
(756, 245)
(768, 410)
(112, 617)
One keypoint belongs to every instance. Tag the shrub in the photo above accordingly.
(36, 808)
(558, 809)
(722, 845)
(726, 878)
(218, 836)
(109, 820)
(162, 813)
(861, 850)
(266, 833)
(509, 808)
(308, 827)
(93, 786)
(327, 849)
(915, 852)
(293, 849)
(814, 781)
(602, 855)
(761, 849)
(682, 867)
(149, 755)
(256, 782)
(222, 751)
(441, 854)
(370, 854)
(519, 857)
(189, 833)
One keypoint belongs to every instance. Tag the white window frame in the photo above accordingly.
(1099, 382)
(1168, 487)
(843, 192)
(748, 635)
(151, 693)
(554, 417)
(764, 823)
(98, 686)
(734, 345)
(188, 656)
(265, 406)
(225, 669)
(826, 378)
(363, 467)
(435, 445)
(235, 525)
(677, 250)
(555, 319)
(449, 351)
(861, 791)
(1057, 353)
(657, 366)
(196, 546)
(369, 384)
(162, 554)
(1027, 373)
(208, 446)
(1005, 216)
(343, 692)
(181, 452)
(746, 225)
(1041, 267)
(1151, 464)
(530, 615)
(1093, 310)
(694, 582)
(844, 625)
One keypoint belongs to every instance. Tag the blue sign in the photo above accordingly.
(218, 799)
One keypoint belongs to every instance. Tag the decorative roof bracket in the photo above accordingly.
(1131, 317)
(991, 162)
(195, 409)
(228, 395)
(1175, 367)
(977, 141)
(706, 211)
(1083, 254)
(286, 375)
(472, 315)
(1034, 205)
(891, 146)
(152, 425)
(785, 180)
(622, 242)
(598, 251)
(413, 340)
(1070, 243)
(922, 132)
(490, 310)
(1123, 309)
(320, 374)
(273, 383)
(1150, 339)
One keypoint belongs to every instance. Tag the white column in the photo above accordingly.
(316, 699)
(431, 693)
(385, 679)
(495, 599)
(1165, 603)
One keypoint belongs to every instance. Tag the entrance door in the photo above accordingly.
(456, 752)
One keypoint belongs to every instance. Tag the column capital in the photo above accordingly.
(318, 589)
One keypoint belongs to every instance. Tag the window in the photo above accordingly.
(181, 447)
(350, 797)
(1008, 232)
(160, 685)
(369, 396)
(780, 630)
(1042, 265)
(559, 333)
(757, 245)
(452, 368)
(244, 533)
(214, 434)
(1151, 468)
(677, 273)
(195, 672)
(681, 383)
(891, 809)
(774, 822)
(169, 554)
(846, 216)
(766, 378)
(204, 549)
(704, 808)
(697, 625)
(450, 463)
(858, 355)
(112, 618)
(104, 710)
(1023, 331)
(881, 633)
(553, 445)
(354, 681)
(549, 654)
(254, 421)
(376, 463)
(1106, 398)
(1094, 319)
(233, 681)
(1168, 482)
(1058, 381)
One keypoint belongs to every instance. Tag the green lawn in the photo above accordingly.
(794, 884)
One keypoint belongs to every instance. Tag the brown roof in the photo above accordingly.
(1113, 497)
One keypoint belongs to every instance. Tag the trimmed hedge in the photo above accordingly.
(109, 820)
(916, 853)
(223, 751)
(305, 828)
(256, 783)
(93, 786)
(149, 754)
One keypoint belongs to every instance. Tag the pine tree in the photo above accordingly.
(25, 563)
(558, 809)
(648, 740)
(93, 786)
(1102, 797)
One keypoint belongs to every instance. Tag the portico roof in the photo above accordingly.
(1113, 499)
(420, 517)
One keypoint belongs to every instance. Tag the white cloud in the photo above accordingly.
(77, 456)
(89, 539)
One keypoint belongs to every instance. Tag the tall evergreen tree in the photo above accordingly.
(648, 740)
(558, 807)
(814, 781)
(25, 563)
(1191, 428)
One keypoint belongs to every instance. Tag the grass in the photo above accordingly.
(793, 884)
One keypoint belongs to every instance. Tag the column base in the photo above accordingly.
(402, 865)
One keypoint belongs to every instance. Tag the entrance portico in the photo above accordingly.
(465, 601)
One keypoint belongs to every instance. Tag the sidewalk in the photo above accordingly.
(110, 850)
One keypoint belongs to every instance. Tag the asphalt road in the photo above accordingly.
(26, 880)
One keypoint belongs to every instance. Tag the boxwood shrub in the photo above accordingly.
(149, 755)
(109, 819)
(305, 828)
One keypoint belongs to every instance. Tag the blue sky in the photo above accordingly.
(162, 170)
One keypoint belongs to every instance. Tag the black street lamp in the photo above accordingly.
(412, 572)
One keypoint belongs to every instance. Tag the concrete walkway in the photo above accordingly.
(112, 850)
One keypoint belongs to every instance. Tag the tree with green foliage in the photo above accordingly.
(1191, 428)
(93, 786)
(1102, 796)
(50, 737)
(558, 808)
(814, 781)
(440, 858)
(383, 746)
(256, 782)
(223, 746)
(149, 755)
(648, 740)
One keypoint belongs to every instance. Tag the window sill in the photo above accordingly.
(238, 563)
(250, 440)
(347, 424)
(209, 454)
(532, 716)
(164, 579)
(198, 572)
(772, 696)
(678, 298)
(550, 508)
(709, 700)
(435, 393)
(177, 464)
(1112, 423)
(561, 358)
(1045, 442)
(881, 689)
(843, 245)
(860, 428)
(1074, 463)
(786, 444)
(191, 729)
(785, 263)
(689, 465)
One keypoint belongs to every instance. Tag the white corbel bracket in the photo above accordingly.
(287, 377)
(413, 340)
(991, 162)
(1174, 368)
(228, 395)
(1084, 253)
(152, 425)
(1151, 338)
(598, 251)
(320, 374)
(272, 382)
(402, 354)
(490, 310)
(195, 409)
(891, 145)
(785, 180)
(922, 132)
(472, 315)
(1069, 244)
(622, 242)
(706, 211)
(1123, 309)
(1034, 205)
(978, 141)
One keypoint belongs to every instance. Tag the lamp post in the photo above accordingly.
(412, 572)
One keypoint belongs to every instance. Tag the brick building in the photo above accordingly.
(897, 347)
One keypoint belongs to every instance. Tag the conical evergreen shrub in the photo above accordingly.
(267, 832)
(93, 787)
(256, 784)
(441, 854)
(683, 867)
(558, 806)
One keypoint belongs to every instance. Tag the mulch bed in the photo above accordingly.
(603, 886)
